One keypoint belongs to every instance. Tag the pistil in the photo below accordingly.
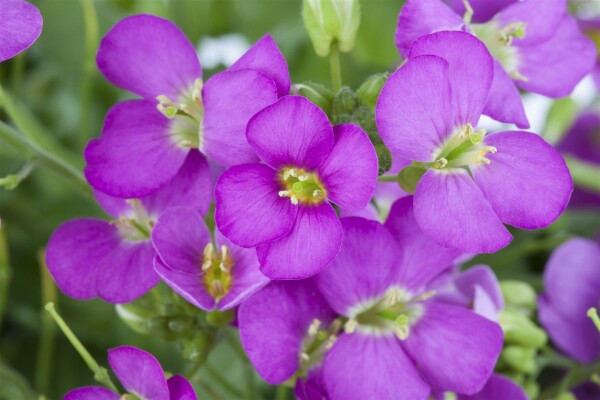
(301, 186)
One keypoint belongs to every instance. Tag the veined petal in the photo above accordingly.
(264, 56)
(362, 367)
(455, 349)
(350, 172)
(414, 110)
(541, 18)
(149, 56)
(20, 28)
(135, 155)
(190, 286)
(231, 98)
(504, 102)
(311, 245)
(527, 182)
(247, 197)
(139, 372)
(291, 132)
(471, 70)
(92, 393)
(450, 209)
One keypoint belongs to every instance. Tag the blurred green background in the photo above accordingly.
(57, 81)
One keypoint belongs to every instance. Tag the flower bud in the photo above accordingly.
(566, 396)
(521, 359)
(344, 106)
(181, 325)
(159, 326)
(519, 295)
(368, 92)
(519, 329)
(136, 315)
(331, 21)
(384, 157)
(197, 348)
(220, 318)
(409, 177)
(320, 95)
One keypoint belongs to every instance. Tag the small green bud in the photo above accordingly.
(566, 396)
(518, 329)
(220, 318)
(518, 294)
(136, 315)
(320, 95)
(181, 325)
(532, 389)
(409, 177)
(159, 326)
(344, 106)
(384, 158)
(519, 358)
(331, 21)
(198, 348)
(368, 92)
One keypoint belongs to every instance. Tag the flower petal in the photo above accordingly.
(554, 67)
(455, 349)
(541, 18)
(414, 110)
(311, 245)
(372, 367)
(190, 286)
(92, 393)
(476, 281)
(527, 182)
(113, 166)
(483, 10)
(149, 56)
(230, 100)
(421, 17)
(20, 28)
(273, 324)
(350, 172)
(312, 387)
(421, 258)
(291, 132)
(247, 196)
(264, 56)
(363, 269)
(498, 388)
(139, 372)
(504, 102)
(471, 70)
(450, 209)
(180, 388)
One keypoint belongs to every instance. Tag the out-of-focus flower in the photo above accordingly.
(20, 26)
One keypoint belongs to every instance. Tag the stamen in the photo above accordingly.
(350, 326)
(318, 194)
(294, 200)
(313, 329)
(304, 357)
(285, 193)
(518, 76)
(484, 160)
(440, 163)
(218, 290)
(423, 296)
(468, 12)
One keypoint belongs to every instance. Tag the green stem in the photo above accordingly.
(100, 373)
(31, 151)
(17, 72)
(89, 66)
(388, 178)
(593, 314)
(10, 182)
(334, 68)
(282, 392)
(48, 332)
(575, 376)
(223, 383)
(5, 274)
(585, 174)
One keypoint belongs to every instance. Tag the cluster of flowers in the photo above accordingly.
(352, 307)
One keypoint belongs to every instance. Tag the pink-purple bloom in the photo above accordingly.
(90, 257)
(145, 142)
(282, 207)
(21, 25)
(571, 287)
(472, 182)
(209, 275)
(536, 46)
(141, 374)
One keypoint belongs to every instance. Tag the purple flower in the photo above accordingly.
(141, 374)
(591, 27)
(571, 287)
(282, 207)
(144, 142)
(91, 257)
(472, 183)
(536, 46)
(21, 26)
(498, 387)
(208, 275)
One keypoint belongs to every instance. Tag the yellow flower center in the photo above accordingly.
(301, 186)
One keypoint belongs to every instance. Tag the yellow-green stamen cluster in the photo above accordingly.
(136, 225)
(464, 148)
(318, 341)
(301, 186)
(216, 269)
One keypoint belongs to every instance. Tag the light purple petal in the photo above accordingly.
(554, 67)
(575, 335)
(362, 367)
(139, 372)
(273, 323)
(471, 70)
(363, 269)
(527, 182)
(91, 393)
(113, 206)
(149, 56)
(311, 245)
(247, 197)
(312, 387)
(477, 281)
(230, 100)
(421, 17)
(455, 349)
(504, 102)
(541, 17)
(135, 154)
(350, 172)
(450, 209)
(264, 56)
(21, 26)
(414, 110)
(421, 259)
(291, 132)
(247, 278)
(369, 212)
(483, 10)
(498, 388)
(190, 286)
(180, 388)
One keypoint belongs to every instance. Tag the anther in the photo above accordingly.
(285, 193)
(350, 326)
(304, 357)
(518, 76)
(484, 160)
(294, 200)
(318, 194)
(441, 163)
(313, 329)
